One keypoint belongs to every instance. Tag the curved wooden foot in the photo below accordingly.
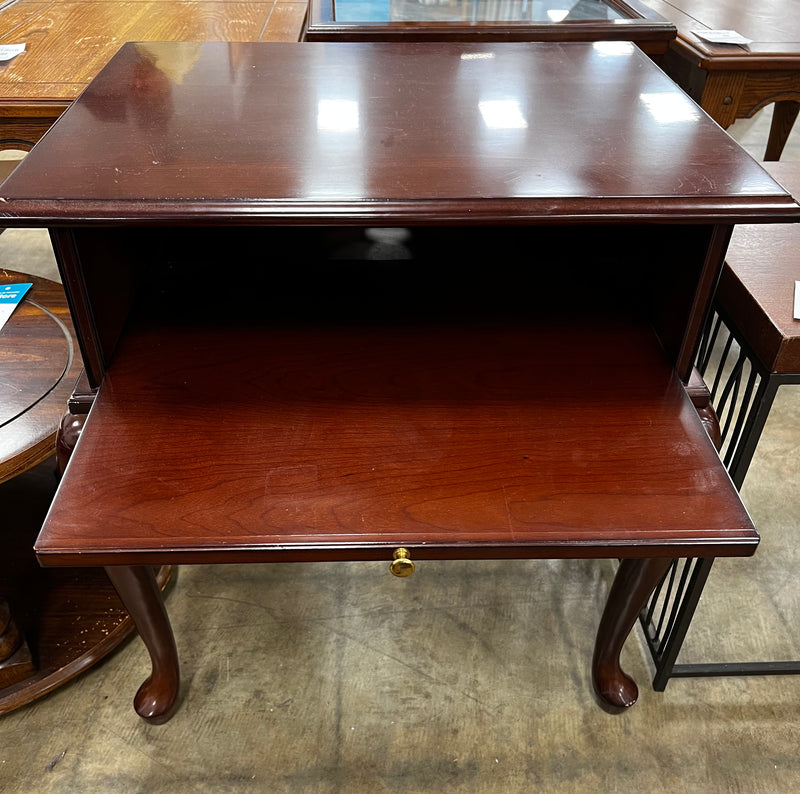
(633, 584)
(157, 698)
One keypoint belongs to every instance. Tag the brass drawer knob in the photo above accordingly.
(402, 564)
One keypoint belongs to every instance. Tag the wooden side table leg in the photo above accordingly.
(784, 115)
(157, 697)
(633, 584)
(16, 663)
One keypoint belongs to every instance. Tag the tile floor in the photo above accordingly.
(468, 677)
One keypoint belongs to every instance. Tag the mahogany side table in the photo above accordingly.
(513, 386)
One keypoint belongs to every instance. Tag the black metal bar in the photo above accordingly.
(665, 663)
(735, 668)
(725, 409)
(743, 455)
(668, 615)
(673, 614)
(708, 341)
(743, 412)
(720, 368)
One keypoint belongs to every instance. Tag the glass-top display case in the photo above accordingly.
(503, 20)
(471, 11)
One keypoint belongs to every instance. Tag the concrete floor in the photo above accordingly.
(467, 677)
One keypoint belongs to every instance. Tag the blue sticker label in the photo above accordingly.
(10, 297)
(12, 293)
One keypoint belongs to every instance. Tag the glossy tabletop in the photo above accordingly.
(362, 133)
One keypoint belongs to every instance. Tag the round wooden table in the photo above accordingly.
(53, 623)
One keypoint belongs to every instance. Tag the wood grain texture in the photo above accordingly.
(772, 26)
(286, 22)
(448, 440)
(74, 619)
(286, 428)
(67, 43)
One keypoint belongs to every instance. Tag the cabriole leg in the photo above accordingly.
(157, 697)
(633, 584)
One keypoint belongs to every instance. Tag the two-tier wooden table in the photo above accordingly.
(509, 383)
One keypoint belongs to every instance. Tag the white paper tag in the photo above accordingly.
(797, 300)
(9, 51)
(10, 297)
(722, 37)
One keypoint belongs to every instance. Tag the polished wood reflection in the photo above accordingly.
(462, 440)
(286, 127)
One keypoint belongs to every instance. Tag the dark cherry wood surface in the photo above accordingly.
(366, 133)
(756, 289)
(452, 440)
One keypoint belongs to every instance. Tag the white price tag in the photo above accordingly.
(723, 37)
(10, 297)
(797, 300)
(9, 51)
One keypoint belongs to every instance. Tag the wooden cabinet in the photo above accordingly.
(342, 299)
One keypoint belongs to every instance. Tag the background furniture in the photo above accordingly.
(731, 82)
(489, 20)
(325, 408)
(40, 363)
(54, 624)
(751, 348)
(69, 41)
